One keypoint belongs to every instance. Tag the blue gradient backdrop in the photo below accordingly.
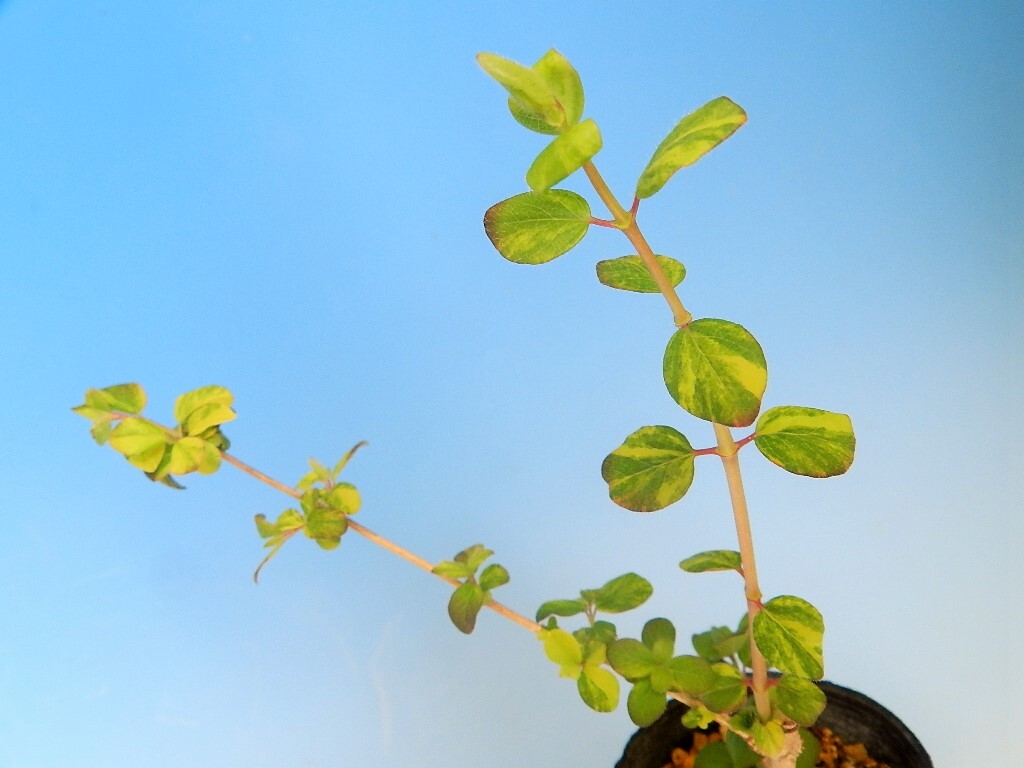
(286, 200)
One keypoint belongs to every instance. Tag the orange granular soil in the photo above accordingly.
(833, 752)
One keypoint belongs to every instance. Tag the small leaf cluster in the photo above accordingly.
(473, 592)
(325, 505)
(194, 445)
(583, 654)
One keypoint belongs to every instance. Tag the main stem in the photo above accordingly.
(727, 447)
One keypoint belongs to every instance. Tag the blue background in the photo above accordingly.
(286, 199)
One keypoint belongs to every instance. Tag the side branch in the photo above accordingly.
(380, 541)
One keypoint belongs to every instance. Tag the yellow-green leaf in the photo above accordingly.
(713, 560)
(139, 438)
(536, 227)
(692, 138)
(123, 398)
(629, 273)
(564, 82)
(598, 688)
(716, 370)
(527, 88)
(798, 699)
(185, 404)
(565, 155)
(650, 470)
(564, 650)
(186, 455)
(806, 441)
(789, 632)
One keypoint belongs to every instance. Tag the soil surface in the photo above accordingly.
(833, 752)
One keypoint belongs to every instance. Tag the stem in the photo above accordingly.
(730, 461)
(627, 222)
(380, 541)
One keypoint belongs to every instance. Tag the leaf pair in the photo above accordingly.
(325, 506)
(623, 593)
(473, 593)
(194, 446)
(581, 657)
(649, 664)
(654, 467)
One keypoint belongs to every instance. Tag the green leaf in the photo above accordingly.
(629, 273)
(698, 717)
(808, 757)
(452, 570)
(527, 88)
(716, 370)
(465, 604)
(707, 643)
(713, 560)
(652, 469)
(631, 658)
(564, 650)
(742, 755)
(536, 227)
(120, 398)
(714, 755)
(598, 688)
(788, 631)
(560, 608)
(343, 462)
(623, 593)
(806, 441)
(728, 691)
(798, 699)
(690, 674)
(288, 521)
(769, 737)
(493, 576)
(139, 441)
(692, 138)
(473, 556)
(644, 704)
(660, 636)
(326, 525)
(564, 82)
(565, 155)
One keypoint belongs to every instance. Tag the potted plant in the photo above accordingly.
(753, 681)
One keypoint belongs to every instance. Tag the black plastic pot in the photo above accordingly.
(852, 716)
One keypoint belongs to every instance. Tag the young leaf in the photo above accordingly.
(344, 497)
(452, 570)
(536, 227)
(716, 370)
(806, 441)
(660, 636)
(698, 717)
(631, 658)
(692, 138)
(644, 704)
(326, 525)
(742, 755)
(527, 88)
(473, 556)
(713, 560)
(690, 674)
(652, 469)
(564, 82)
(707, 643)
(120, 398)
(206, 416)
(343, 462)
(629, 273)
(714, 755)
(798, 699)
(560, 608)
(139, 441)
(788, 631)
(598, 688)
(727, 691)
(190, 402)
(623, 593)
(564, 156)
(564, 650)
(186, 456)
(464, 605)
(493, 576)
